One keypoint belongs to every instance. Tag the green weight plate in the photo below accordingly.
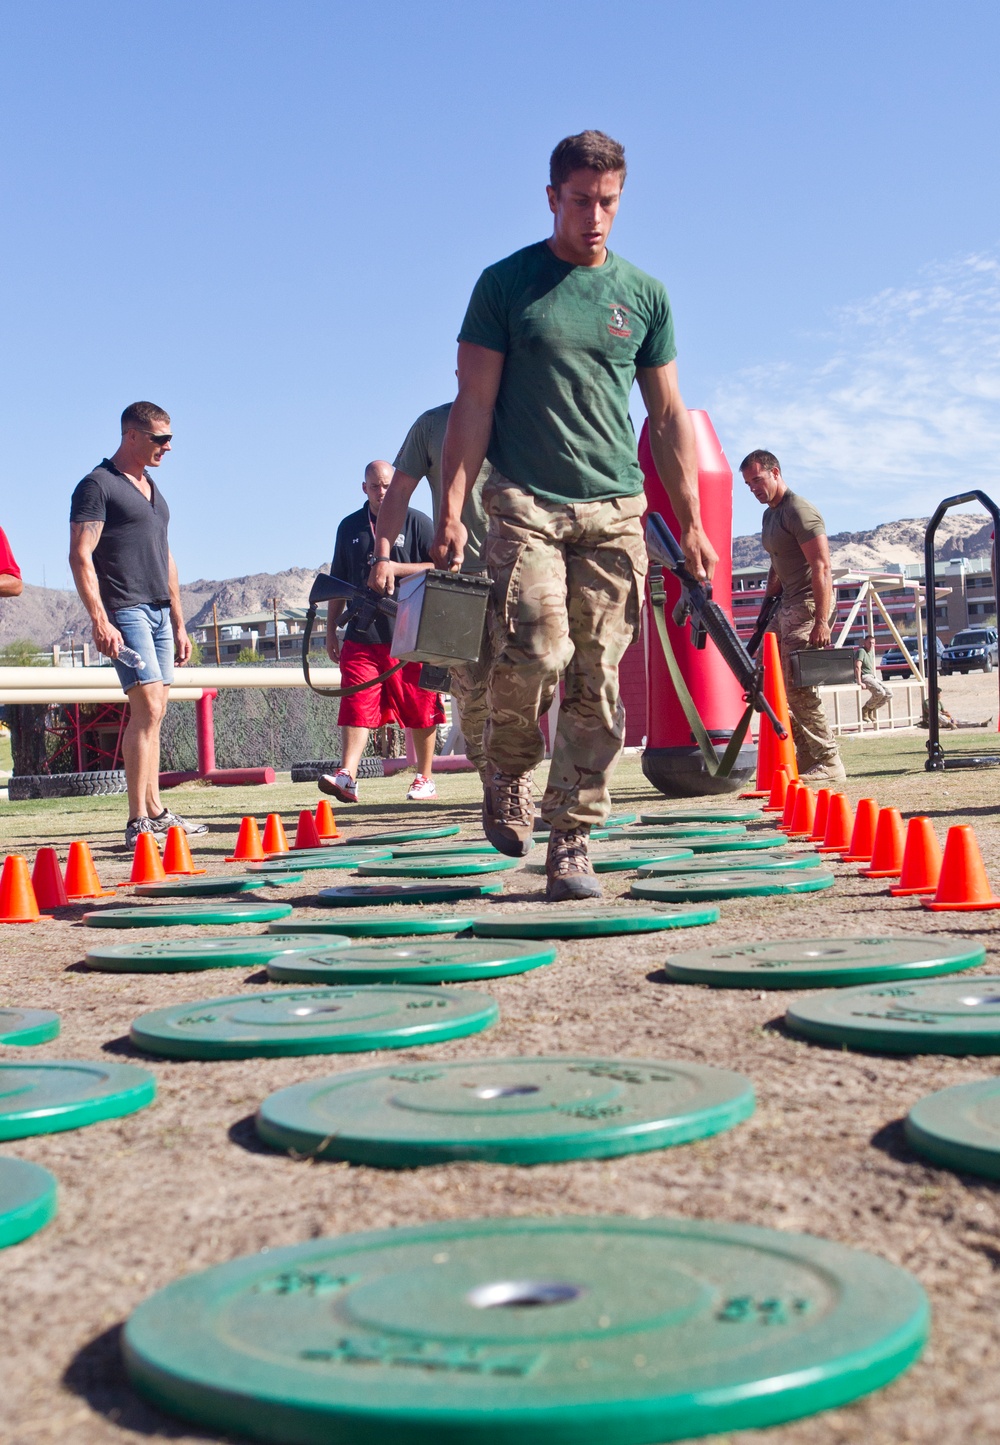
(188, 955)
(410, 961)
(223, 883)
(406, 835)
(446, 850)
(45, 1097)
(959, 1127)
(731, 863)
(341, 859)
(927, 1016)
(431, 867)
(504, 1111)
(666, 831)
(526, 1331)
(313, 1021)
(690, 887)
(28, 1025)
(367, 924)
(751, 843)
(169, 914)
(576, 922)
(621, 820)
(824, 962)
(28, 1200)
(597, 835)
(617, 858)
(371, 894)
(704, 814)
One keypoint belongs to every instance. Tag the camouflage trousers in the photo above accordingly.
(814, 743)
(468, 688)
(567, 588)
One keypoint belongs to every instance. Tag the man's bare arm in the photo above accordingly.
(83, 538)
(671, 437)
(773, 588)
(465, 443)
(10, 586)
(817, 553)
(182, 643)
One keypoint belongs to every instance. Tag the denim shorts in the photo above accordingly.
(148, 631)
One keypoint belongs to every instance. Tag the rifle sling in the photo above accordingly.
(336, 691)
(717, 767)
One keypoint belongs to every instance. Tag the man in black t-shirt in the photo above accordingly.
(127, 581)
(364, 654)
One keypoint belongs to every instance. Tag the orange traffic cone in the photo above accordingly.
(18, 903)
(177, 854)
(789, 809)
(772, 751)
(274, 835)
(822, 813)
(81, 875)
(804, 815)
(779, 791)
(921, 860)
(147, 866)
(326, 824)
(47, 880)
(306, 835)
(248, 848)
(863, 836)
(887, 853)
(963, 885)
(839, 825)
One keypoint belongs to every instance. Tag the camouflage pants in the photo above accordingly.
(468, 688)
(814, 743)
(567, 587)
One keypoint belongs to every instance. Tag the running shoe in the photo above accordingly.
(341, 786)
(168, 820)
(134, 827)
(420, 789)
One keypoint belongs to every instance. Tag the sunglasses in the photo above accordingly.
(161, 438)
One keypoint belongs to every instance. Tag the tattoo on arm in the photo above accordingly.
(86, 534)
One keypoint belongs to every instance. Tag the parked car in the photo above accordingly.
(894, 664)
(975, 648)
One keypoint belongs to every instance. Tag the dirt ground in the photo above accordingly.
(184, 1185)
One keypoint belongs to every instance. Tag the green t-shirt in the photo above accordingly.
(420, 456)
(572, 338)
(783, 530)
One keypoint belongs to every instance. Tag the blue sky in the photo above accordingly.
(268, 217)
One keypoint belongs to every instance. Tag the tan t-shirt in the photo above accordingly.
(420, 456)
(784, 529)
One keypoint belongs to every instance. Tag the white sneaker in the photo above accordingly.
(341, 786)
(421, 789)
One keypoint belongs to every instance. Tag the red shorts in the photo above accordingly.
(398, 700)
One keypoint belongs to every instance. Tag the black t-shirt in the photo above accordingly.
(131, 559)
(354, 553)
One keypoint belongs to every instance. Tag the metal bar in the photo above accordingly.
(215, 625)
(205, 730)
(845, 630)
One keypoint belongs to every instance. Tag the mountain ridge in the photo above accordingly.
(44, 615)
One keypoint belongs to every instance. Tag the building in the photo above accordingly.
(256, 633)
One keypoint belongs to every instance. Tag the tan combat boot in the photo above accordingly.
(568, 870)
(509, 812)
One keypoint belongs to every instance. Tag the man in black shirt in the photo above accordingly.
(364, 653)
(127, 581)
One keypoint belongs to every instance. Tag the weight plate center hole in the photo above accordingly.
(973, 1002)
(523, 1294)
(304, 1013)
(501, 1091)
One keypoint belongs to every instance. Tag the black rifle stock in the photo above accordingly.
(763, 618)
(363, 606)
(707, 618)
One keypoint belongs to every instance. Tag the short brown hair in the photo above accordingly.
(767, 460)
(141, 415)
(590, 150)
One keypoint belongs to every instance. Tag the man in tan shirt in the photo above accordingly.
(794, 536)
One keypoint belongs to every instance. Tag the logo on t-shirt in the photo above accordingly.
(618, 325)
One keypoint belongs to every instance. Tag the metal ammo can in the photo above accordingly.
(440, 618)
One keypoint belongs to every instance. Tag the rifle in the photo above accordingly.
(363, 606)
(707, 619)
(763, 618)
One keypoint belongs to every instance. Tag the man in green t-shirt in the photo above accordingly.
(552, 341)
(865, 675)
(793, 534)
(418, 457)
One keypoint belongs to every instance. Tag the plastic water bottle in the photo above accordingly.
(130, 657)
